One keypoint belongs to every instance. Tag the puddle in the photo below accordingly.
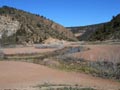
(71, 50)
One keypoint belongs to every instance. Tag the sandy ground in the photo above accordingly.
(21, 74)
(100, 52)
(78, 34)
(24, 50)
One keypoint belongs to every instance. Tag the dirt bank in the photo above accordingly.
(18, 74)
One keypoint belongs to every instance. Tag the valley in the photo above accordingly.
(37, 53)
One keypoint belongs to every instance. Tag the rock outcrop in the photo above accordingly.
(7, 26)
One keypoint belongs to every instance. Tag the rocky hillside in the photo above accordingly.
(20, 27)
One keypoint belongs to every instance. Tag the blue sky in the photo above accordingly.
(69, 12)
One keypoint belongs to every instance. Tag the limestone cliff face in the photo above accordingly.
(8, 26)
(17, 26)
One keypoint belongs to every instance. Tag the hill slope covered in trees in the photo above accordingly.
(109, 31)
(84, 32)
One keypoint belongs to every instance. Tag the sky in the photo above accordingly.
(69, 12)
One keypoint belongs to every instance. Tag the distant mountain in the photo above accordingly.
(18, 27)
(104, 31)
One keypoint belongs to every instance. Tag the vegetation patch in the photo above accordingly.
(48, 86)
(102, 69)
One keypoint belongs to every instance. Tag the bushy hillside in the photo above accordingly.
(109, 31)
(99, 32)
(85, 31)
(17, 26)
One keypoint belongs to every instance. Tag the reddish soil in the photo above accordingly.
(100, 52)
(24, 50)
(15, 74)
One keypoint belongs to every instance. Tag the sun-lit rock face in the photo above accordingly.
(8, 26)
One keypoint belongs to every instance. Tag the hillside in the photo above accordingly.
(104, 31)
(109, 31)
(20, 27)
(84, 32)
